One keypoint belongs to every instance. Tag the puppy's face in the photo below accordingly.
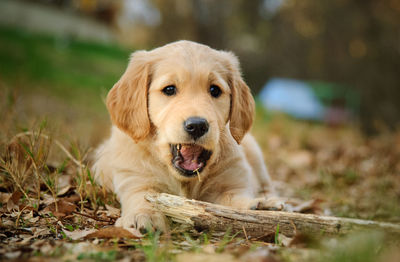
(189, 105)
(187, 94)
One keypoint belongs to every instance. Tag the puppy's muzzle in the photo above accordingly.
(196, 127)
(189, 159)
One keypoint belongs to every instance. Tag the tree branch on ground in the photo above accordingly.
(255, 224)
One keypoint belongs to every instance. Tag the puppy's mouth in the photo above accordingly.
(189, 159)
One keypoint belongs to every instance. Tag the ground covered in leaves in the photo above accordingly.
(51, 209)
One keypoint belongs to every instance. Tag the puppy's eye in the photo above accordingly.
(169, 90)
(215, 91)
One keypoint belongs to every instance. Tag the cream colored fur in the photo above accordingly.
(136, 159)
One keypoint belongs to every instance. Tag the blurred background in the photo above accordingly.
(325, 74)
(342, 57)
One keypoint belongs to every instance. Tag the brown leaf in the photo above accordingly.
(73, 198)
(4, 197)
(12, 202)
(115, 232)
(63, 208)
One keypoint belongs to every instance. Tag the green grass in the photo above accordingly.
(362, 247)
(59, 65)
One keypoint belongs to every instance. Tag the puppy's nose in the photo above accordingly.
(196, 127)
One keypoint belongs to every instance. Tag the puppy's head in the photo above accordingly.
(182, 98)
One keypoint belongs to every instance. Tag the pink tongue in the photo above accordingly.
(190, 155)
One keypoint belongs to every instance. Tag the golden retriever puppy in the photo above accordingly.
(181, 115)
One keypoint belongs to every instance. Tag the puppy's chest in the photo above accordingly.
(186, 189)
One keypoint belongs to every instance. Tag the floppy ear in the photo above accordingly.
(127, 100)
(242, 102)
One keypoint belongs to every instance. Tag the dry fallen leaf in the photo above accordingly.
(63, 208)
(26, 239)
(78, 234)
(64, 184)
(13, 255)
(284, 240)
(4, 197)
(12, 203)
(40, 231)
(73, 198)
(115, 232)
(112, 211)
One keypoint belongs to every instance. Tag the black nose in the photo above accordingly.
(196, 126)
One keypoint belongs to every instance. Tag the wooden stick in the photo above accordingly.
(207, 216)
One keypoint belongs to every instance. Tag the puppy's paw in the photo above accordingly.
(270, 203)
(142, 221)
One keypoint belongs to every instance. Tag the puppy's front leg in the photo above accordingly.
(136, 212)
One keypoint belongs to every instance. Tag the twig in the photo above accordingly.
(19, 215)
(202, 215)
(245, 234)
